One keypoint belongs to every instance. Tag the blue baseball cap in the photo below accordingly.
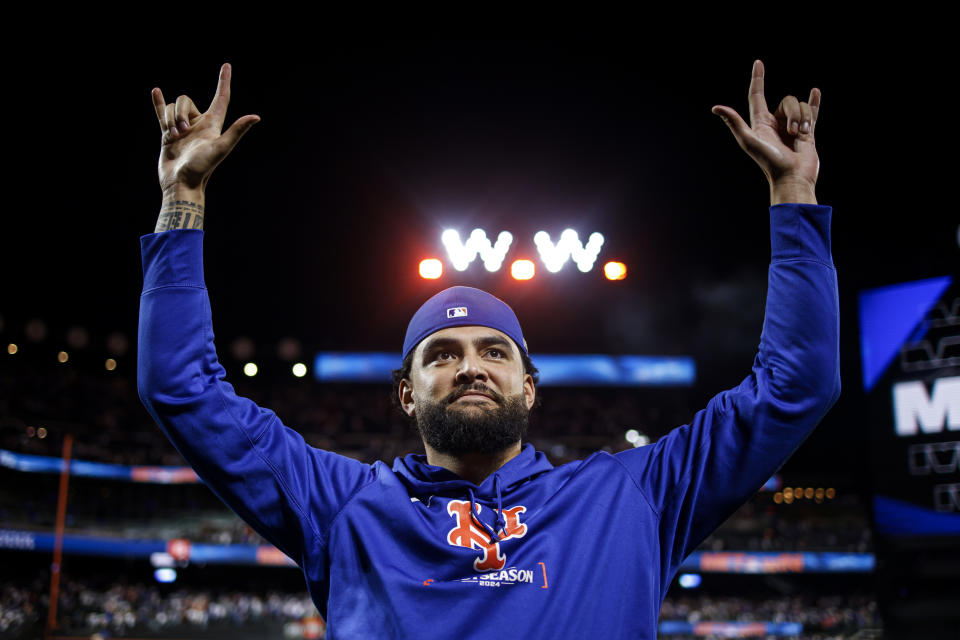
(461, 307)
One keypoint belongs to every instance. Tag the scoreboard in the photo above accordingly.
(910, 356)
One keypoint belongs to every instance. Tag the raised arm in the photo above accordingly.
(696, 476)
(191, 147)
(287, 491)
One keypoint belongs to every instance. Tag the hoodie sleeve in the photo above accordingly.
(696, 476)
(285, 489)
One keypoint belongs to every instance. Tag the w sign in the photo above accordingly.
(553, 255)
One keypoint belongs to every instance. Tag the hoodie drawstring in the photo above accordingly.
(501, 522)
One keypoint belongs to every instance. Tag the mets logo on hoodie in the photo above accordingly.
(470, 534)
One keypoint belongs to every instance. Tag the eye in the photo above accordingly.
(443, 356)
(496, 353)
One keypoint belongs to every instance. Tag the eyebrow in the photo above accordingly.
(479, 342)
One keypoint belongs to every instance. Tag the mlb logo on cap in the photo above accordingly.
(463, 306)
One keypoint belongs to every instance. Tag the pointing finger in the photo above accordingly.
(159, 106)
(220, 101)
(814, 107)
(758, 103)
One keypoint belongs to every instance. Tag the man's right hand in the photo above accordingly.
(192, 144)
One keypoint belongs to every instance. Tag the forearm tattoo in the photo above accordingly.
(180, 214)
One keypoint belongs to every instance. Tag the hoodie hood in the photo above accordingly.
(424, 479)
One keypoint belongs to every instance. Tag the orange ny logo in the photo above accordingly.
(468, 533)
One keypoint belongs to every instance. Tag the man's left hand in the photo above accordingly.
(782, 143)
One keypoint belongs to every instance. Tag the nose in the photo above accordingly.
(470, 369)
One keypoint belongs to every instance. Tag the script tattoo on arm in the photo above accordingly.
(180, 214)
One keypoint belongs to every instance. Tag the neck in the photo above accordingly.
(475, 467)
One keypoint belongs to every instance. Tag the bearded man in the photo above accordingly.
(481, 534)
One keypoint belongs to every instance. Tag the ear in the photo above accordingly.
(529, 390)
(405, 391)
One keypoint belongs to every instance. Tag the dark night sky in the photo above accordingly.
(367, 150)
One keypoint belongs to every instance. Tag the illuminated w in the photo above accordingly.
(568, 246)
(463, 253)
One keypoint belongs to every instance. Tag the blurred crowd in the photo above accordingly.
(126, 609)
(836, 615)
(761, 525)
(123, 609)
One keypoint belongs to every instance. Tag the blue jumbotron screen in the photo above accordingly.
(555, 369)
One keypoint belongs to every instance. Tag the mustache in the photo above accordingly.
(458, 393)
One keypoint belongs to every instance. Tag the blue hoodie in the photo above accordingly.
(587, 549)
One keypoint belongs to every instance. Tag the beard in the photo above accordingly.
(457, 430)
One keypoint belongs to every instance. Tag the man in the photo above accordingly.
(482, 535)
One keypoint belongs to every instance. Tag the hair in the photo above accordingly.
(404, 373)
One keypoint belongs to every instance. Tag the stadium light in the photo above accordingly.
(636, 438)
(165, 575)
(250, 369)
(690, 580)
(431, 269)
(62, 356)
(299, 369)
(11, 348)
(110, 364)
(522, 270)
(615, 270)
